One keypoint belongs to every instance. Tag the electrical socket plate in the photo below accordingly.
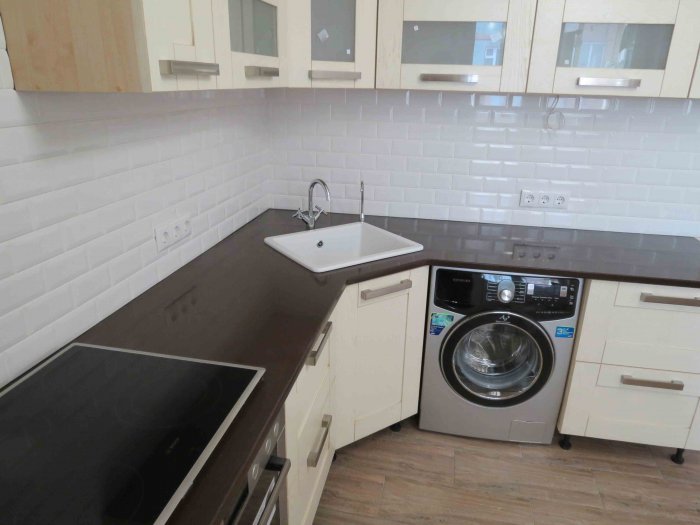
(558, 200)
(172, 232)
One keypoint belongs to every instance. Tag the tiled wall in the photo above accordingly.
(6, 81)
(629, 164)
(83, 181)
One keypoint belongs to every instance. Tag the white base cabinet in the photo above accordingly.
(362, 376)
(636, 371)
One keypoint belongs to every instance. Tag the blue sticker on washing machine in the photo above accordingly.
(438, 322)
(566, 332)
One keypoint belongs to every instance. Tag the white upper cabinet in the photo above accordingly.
(695, 88)
(645, 48)
(250, 38)
(477, 45)
(332, 43)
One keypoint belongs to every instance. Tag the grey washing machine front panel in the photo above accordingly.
(531, 420)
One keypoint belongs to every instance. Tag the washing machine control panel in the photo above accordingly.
(543, 297)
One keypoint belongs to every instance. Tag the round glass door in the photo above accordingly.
(497, 359)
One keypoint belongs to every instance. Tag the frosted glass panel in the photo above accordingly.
(253, 26)
(333, 30)
(619, 46)
(461, 43)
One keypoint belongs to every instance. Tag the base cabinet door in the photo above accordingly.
(377, 367)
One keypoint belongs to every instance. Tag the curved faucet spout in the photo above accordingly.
(313, 213)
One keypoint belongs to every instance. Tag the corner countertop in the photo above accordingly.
(242, 302)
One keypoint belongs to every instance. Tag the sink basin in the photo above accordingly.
(336, 247)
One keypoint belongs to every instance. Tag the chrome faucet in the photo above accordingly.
(362, 201)
(314, 212)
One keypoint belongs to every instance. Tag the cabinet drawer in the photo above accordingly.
(640, 414)
(316, 369)
(651, 297)
(315, 453)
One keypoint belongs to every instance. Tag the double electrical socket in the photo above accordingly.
(172, 232)
(544, 199)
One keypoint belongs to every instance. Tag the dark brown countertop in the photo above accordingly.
(242, 302)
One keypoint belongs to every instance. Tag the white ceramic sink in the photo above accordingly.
(336, 247)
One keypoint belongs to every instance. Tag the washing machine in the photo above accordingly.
(497, 353)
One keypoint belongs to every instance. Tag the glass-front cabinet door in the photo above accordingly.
(332, 43)
(645, 48)
(250, 37)
(477, 45)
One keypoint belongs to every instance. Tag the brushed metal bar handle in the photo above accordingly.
(609, 82)
(314, 356)
(319, 74)
(282, 465)
(447, 77)
(182, 67)
(373, 294)
(650, 383)
(315, 455)
(261, 71)
(674, 301)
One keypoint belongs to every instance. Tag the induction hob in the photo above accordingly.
(98, 435)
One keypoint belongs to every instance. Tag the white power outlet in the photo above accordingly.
(544, 199)
(172, 232)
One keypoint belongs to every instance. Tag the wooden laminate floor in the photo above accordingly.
(415, 477)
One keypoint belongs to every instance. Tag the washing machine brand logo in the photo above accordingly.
(504, 318)
(567, 332)
(438, 322)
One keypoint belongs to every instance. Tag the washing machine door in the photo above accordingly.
(497, 358)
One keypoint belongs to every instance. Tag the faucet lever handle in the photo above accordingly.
(298, 214)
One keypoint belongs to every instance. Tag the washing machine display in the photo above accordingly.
(497, 352)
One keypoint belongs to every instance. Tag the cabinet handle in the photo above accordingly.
(373, 294)
(182, 67)
(261, 71)
(674, 301)
(314, 356)
(650, 383)
(609, 82)
(447, 77)
(318, 74)
(315, 455)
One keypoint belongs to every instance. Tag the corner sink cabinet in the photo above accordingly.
(635, 375)
(362, 375)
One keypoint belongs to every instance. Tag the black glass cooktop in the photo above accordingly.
(106, 436)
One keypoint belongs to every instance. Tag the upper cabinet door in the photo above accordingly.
(645, 48)
(332, 43)
(477, 45)
(178, 49)
(250, 42)
(695, 87)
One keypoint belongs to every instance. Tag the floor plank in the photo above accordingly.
(414, 477)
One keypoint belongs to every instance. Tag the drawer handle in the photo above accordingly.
(650, 383)
(447, 77)
(182, 67)
(318, 74)
(260, 71)
(609, 82)
(675, 301)
(373, 294)
(314, 356)
(315, 455)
